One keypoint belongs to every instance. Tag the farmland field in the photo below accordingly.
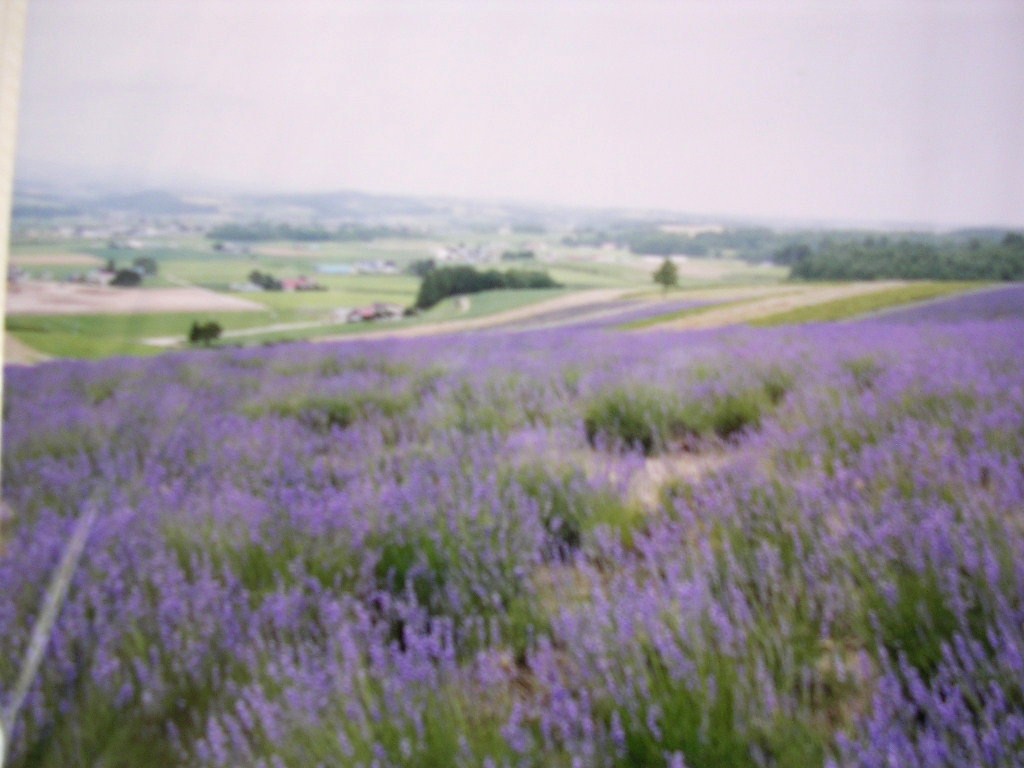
(190, 261)
(794, 546)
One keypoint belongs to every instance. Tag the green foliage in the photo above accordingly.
(571, 506)
(747, 243)
(442, 282)
(636, 418)
(457, 728)
(873, 259)
(864, 370)
(702, 718)
(854, 306)
(267, 560)
(265, 281)
(667, 275)
(204, 333)
(324, 413)
(653, 421)
(916, 620)
(126, 278)
(263, 231)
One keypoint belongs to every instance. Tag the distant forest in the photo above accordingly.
(263, 231)
(749, 243)
(881, 258)
(967, 254)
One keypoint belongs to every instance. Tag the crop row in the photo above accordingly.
(442, 552)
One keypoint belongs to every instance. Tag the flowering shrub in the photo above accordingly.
(425, 553)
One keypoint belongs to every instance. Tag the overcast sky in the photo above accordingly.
(860, 110)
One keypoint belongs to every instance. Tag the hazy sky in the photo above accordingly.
(890, 111)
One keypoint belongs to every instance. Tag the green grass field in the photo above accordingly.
(582, 274)
(192, 260)
(97, 336)
(481, 305)
(856, 306)
(669, 317)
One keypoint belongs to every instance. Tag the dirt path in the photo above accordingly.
(784, 298)
(176, 341)
(499, 318)
(19, 353)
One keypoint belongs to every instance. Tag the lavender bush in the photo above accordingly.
(438, 552)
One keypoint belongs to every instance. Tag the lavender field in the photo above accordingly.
(575, 547)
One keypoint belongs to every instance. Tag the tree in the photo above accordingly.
(204, 333)
(126, 278)
(667, 275)
(266, 281)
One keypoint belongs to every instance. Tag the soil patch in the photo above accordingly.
(46, 298)
(17, 352)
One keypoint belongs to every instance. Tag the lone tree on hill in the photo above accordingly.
(667, 275)
(204, 333)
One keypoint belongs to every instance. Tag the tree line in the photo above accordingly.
(814, 247)
(263, 231)
(749, 243)
(876, 258)
(441, 282)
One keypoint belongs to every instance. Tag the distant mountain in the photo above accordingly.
(43, 209)
(46, 204)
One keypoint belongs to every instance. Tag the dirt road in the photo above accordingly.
(745, 306)
(17, 353)
(580, 299)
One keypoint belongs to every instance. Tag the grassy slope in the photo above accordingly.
(194, 261)
(98, 336)
(650, 322)
(854, 306)
(487, 303)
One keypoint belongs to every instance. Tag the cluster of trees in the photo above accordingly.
(749, 243)
(966, 254)
(442, 282)
(131, 277)
(204, 333)
(126, 278)
(875, 258)
(262, 231)
(265, 281)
